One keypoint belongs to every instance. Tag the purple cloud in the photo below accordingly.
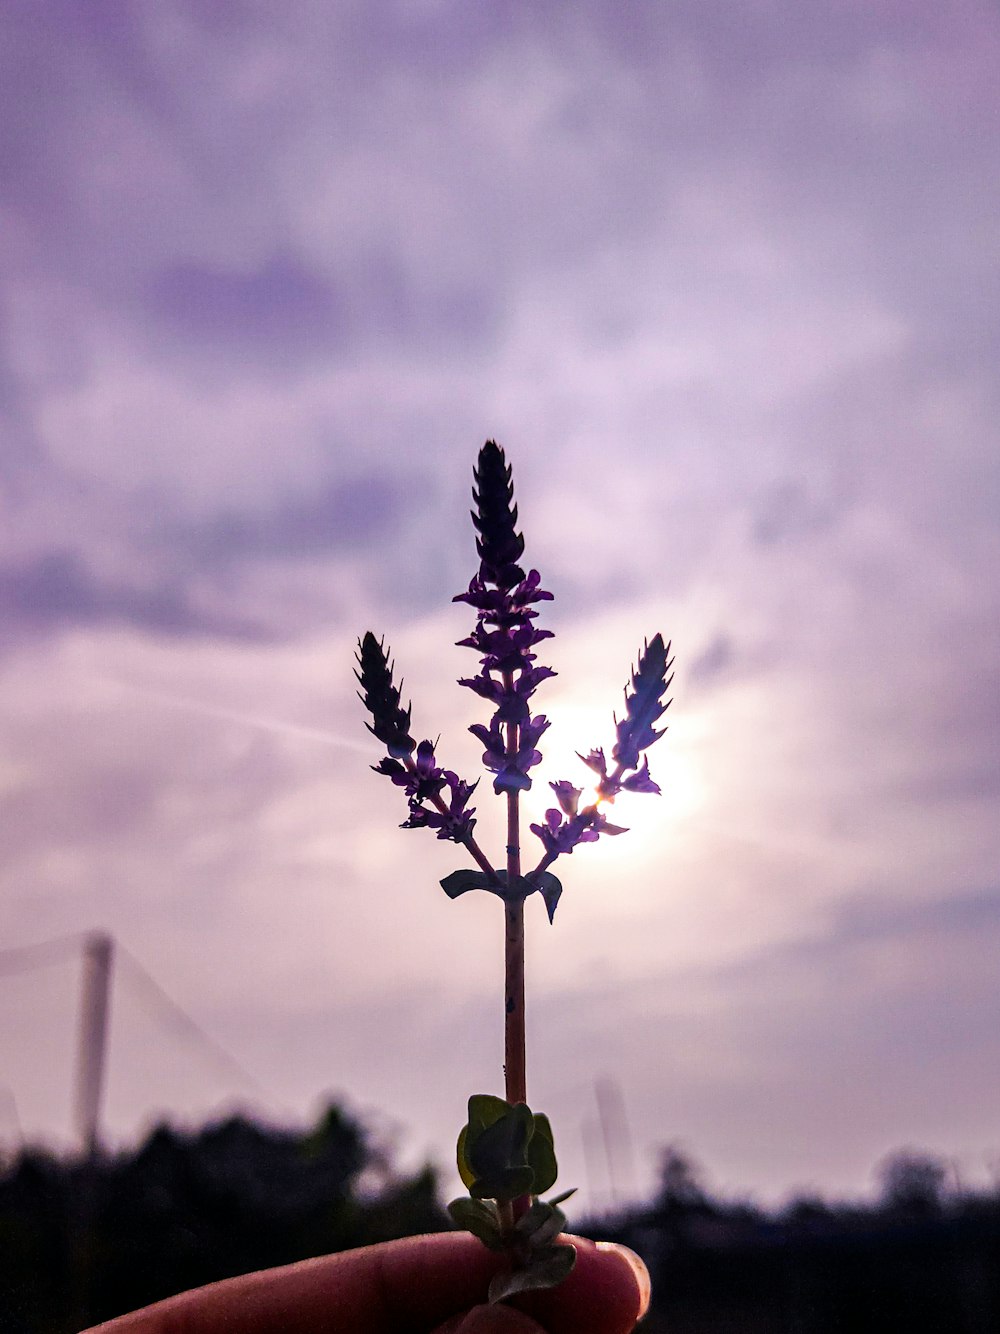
(56, 590)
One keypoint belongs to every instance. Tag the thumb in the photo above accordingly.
(607, 1292)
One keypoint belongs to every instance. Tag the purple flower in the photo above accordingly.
(459, 822)
(565, 828)
(394, 770)
(510, 766)
(454, 822)
(511, 700)
(641, 781)
(567, 795)
(496, 602)
(559, 835)
(428, 779)
(595, 760)
(505, 650)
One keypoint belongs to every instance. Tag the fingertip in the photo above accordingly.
(636, 1266)
(607, 1292)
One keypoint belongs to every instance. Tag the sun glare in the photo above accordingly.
(673, 763)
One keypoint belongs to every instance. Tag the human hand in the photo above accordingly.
(420, 1285)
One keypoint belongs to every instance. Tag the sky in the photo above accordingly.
(722, 280)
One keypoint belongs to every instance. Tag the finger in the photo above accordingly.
(495, 1319)
(399, 1287)
(607, 1292)
(409, 1285)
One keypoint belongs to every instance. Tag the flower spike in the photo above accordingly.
(499, 544)
(420, 777)
(643, 707)
(505, 634)
(380, 696)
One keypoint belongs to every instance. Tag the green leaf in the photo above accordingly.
(532, 1218)
(546, 1269)
(464, 1170)
(460, 882)
(485, 1110)
(495, 1149)
(541, 1224)
(515, 891)
(479, 1218)
(503, 1186)
(542, 1154)
(505, 1151)
(550, 889)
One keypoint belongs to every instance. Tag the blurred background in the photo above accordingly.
(722, 279)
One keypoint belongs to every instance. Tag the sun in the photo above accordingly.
(577, 728)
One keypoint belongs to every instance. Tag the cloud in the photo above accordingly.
(279, 306)
(285, 315)
(967, 913)
(342, 514)
(56, 590)
(714, 661)
(788, 512)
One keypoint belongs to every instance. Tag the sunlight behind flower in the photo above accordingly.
(581, 719)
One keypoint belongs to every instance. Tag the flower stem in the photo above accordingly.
(514, 1054)
(515, 1077)
(514, 1064)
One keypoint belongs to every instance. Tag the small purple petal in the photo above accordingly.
(604, 826)
(567, 795)
(511, 779)
(595, 760)
(641, 781)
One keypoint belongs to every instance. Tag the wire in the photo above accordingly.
(43, 954)
(175, 1017)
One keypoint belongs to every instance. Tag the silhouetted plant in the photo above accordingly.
(506, 1156)
(187, 1208)
(912, 1182)
(681, 1185)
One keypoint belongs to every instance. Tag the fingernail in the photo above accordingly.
(639, 1270)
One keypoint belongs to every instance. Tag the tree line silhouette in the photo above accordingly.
(84, 1240)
